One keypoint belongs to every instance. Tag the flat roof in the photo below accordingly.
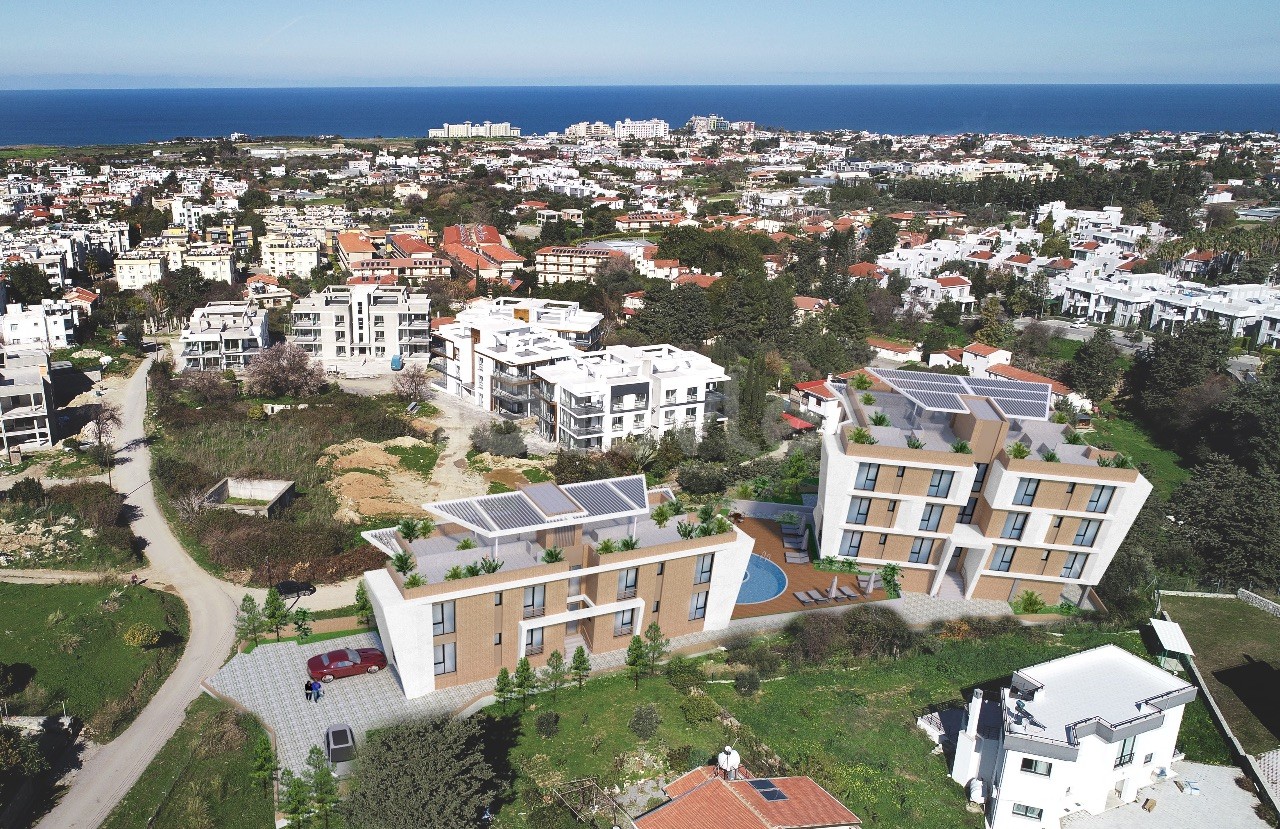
(943, 392)
(543, 505)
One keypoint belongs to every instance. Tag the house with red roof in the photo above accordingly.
(817, 399)
(704, 798)
(1195, 264)
(929, 291)
(810, 306)
(869, 270)
(895, 351)
(480, 250)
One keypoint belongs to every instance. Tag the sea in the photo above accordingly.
(77, 117)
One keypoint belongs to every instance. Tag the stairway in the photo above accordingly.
(952, 586)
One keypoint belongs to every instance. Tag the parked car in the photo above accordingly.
(346, 662)
(340, 748)
(295, 589)
(1080, 324)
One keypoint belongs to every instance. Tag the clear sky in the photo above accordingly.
(187, 43)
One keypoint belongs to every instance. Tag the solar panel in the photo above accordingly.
(464, 511)
(600, 499)
(762, 784)
(511, 511)
(773, 794)
(940, 392)
(550, 499)
(634, 490)
(937, 400)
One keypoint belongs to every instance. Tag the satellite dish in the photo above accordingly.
(729, 761)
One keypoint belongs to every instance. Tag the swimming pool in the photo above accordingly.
(763, 581)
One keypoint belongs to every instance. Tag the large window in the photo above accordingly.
(698, 606)
(1025, 495)
(859, 508)
(1074, 565)
(1002, 559)
(1014, 524)
(1033, 766)
(867, 475)
(1100, 499)
(533, 642)
(966, 513)
(442, 618)
(940, 483)
(931, 518)
(702, 568)
(1124, 756)
(921, 550)
(981, 477)
(1087, 533)
(627, 583)
(853, 544)
(1028, 811)
(446, 658)
(535, 601)
(624, 623)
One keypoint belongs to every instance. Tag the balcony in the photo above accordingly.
(583, 409)
(535, 611)
(525, 396)
(586, 430)
(1123, 760)
(626, 593)
(617, 406)
(624, 630)
(532, 650)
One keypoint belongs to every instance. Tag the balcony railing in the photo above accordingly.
(584, 409)
(1124, 760)
(624, 630)
(532, 650)
(514, 397)
(626, 593)
(535, 612)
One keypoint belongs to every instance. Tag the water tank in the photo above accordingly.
(977, 791)
(397, 362)
(729, 761)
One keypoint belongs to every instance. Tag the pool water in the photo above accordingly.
(763, 581)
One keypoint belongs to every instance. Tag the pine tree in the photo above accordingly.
(249, 620)
(275, 613)
(322, 784)
(503, 688)
(524, 681)
(655, 646)
(636, 659)
(302, 619)
(1094, 370)
(264, 761)
(295, 799)
(363, 607)
(580, 667)
(994, 331)
(554, 674)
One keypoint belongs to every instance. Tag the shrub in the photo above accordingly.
(814, 638)
(414, 580)
(547, 724)
(699, 708)
(877, 631)
(645, 721)
(1028, 601)
(746, 682)
(27, 491)
(683, 673)
(501, 439)
(702, 477)
(681, 758)
(1017, 450)
(862, 436)
(283, 370)
(141, 635)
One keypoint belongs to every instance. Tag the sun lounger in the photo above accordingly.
(818, 595)
(835, 595)
(850, 594)
(803, 597)
(1193, 787)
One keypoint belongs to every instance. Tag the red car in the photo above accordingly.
(347, 662)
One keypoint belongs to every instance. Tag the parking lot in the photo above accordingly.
(268, 681)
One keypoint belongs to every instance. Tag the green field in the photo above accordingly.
(1237, 650)
(1161, 466)
(66, 640)
(849, 724)
(201, 777)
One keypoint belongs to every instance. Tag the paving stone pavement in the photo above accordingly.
(1221, 804)
(1269, 765)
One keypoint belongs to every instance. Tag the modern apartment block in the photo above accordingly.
(559, 263)
(568, 320)
(1082, 733)
(965, 484)
(26, 400)
(290, 254)
(591, 401)
(555, 589)
(489, 360)
(50, 325)
(356, 323)
(223, 335)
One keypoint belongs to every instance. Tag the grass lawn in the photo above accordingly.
(1226, 635)
(73, 465)
(270, 639)
(537, 475)
(850, 726)
(1060, 348)
(419, 459)
(201, 777)
(67, 641)
(1161, 466)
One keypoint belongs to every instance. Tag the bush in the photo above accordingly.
(1028, 601)
(27, 491)
(815, 637)
(755, 654)
(681, 758)
(683, 673)
(699, 708)
(702, 478)
(141, 635)
(547, 724)
(645, 721)
(500, 439)
(283, 370)
(746, 682)
(876, 631)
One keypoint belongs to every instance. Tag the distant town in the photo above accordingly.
(641, 475)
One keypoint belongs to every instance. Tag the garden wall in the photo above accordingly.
(1263, 604)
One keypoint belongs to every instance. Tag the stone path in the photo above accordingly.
(1221, 804)
(1269, 765)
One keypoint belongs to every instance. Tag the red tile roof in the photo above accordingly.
(702, 280)
(981, 349)
(796, 423)
(1011, 373)
(867, 270)
(952, 281)
(355, 242)
(982, 254)
(890, 345)
(1199, 256)
(701, 799)
(809, 303)
(818, 388)
(1019, 259)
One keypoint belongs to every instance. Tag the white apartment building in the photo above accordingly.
(290, 254)
(1081, 733)
(26, 400)
(557, 590)
(466, 129)
(568, 320)
(137, 268)
(555, 264)
(1237, 308)
(49, 325)
(641, 130)
(353, 324)
(591, 401)
(588, 130)
(222, 335)
(965, 484)
(215, 262)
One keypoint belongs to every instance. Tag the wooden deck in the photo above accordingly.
(768, 536)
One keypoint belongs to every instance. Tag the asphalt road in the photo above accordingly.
(112, 771)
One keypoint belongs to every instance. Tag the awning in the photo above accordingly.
(1171, 637)
(797, 423)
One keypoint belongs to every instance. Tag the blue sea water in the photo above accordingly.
(106, 116)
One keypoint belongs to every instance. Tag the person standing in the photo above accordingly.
(316, 690)
(307, 689)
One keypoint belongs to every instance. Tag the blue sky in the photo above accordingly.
(181, 43)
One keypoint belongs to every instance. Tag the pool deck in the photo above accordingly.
(768, 536)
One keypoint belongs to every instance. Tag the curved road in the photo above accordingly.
(109, 774)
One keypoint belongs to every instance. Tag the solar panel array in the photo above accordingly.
(768, 790)
(545, 504)
(942, 392)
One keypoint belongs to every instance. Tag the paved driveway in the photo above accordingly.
(268, 681)
(1221, 804)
